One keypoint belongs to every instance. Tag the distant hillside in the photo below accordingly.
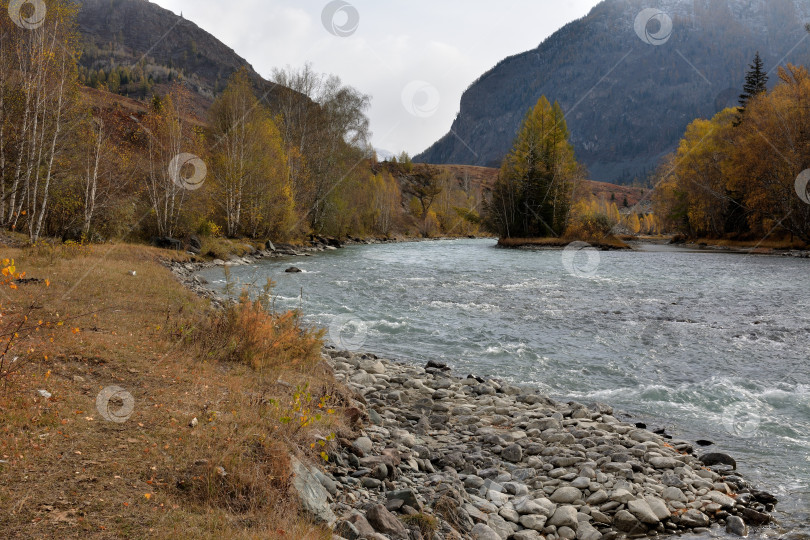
(134, 46)
(627, 102)
(482, 179)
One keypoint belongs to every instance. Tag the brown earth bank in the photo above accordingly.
(611, 243)
(768, 246)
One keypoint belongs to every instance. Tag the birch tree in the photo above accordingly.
(39, 104)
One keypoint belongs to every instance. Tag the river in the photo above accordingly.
(707, 345)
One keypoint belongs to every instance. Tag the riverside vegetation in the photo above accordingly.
(224, 403)
(86, 165)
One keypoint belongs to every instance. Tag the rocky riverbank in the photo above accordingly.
(436, 456)
(444, 457)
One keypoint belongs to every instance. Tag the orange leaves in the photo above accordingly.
(8, 273)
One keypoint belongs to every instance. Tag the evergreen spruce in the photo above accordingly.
(756, 83)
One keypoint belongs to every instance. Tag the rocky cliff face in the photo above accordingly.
(629, 89)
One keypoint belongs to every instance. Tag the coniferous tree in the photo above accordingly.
(756, 83)
(531, 197)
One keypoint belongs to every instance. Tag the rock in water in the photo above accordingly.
(293, 270)
(312, 495)
(735, 525)
(718, 458)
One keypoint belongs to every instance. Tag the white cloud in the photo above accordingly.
(447, 44)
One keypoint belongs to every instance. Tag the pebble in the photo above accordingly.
(492, 461)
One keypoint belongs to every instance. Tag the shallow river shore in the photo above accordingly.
(485, 459)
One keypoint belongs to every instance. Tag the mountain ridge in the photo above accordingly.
(151, 46)
(627, 102)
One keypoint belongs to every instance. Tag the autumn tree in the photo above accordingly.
(324, 124)
(38, 104)
(532, 195)
(742, 180)
(772, 149)
(170, 162)
(249, 167)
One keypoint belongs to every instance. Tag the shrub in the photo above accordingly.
(246, 332)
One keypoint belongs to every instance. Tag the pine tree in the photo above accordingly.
(756, 83)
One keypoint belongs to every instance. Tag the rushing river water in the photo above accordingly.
(708, 345)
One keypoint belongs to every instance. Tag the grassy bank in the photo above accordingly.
(607, 243)
(760, 246)
(80, 321)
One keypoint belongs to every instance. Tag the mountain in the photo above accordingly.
(133, 46)
(627, 101)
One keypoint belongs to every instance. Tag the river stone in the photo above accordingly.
(348, 531)
(407, 496)
(735, 525)
(643, 512)
(497, 498)
(483, 532)
(665, 462)
(658, 507)
(673, 494)
(597, 498)
(566, 533)
(523, 474)
(565, 516)
(694, 518)
(375, 367)
(525, 505)
(581, 483)
(754, 517)
(622, 496)
(566, 495)
(509, 514)
(500, 526)
(627, 522)
(363, 445)
(516, 489)
(527, 534)
(362, 525)
(312, 495)
(533, 521)
(512, 453)
(586, 531)
(544, 424)
(473, 482)
(385, 522)
(723, 500)
(672, 479)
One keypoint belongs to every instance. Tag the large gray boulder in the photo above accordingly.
(312, 495)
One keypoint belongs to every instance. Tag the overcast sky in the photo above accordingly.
(414, 58)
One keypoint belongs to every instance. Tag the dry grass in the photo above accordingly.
(66, 472)
(224, 248)
(608, 242)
